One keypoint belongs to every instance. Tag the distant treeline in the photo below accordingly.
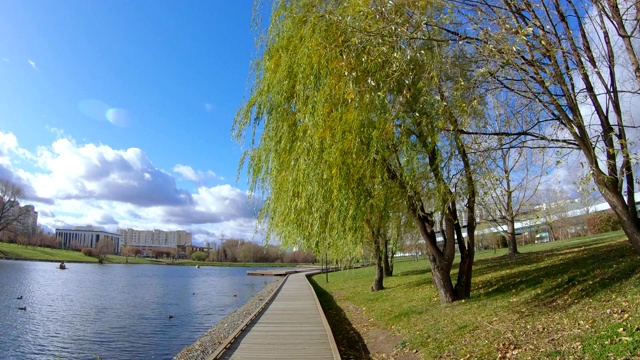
(236, 250)
(39, 239)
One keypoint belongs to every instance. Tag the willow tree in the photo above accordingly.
(353, 114)
(312, 162)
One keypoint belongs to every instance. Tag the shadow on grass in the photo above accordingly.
(561, 275)
(554, 277)
(495, 264)
(424, 271)
(350, 343)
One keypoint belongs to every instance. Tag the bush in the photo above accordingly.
(503, 242)
(158, 253)
(602, 222)
(88, 252)
(199, 256)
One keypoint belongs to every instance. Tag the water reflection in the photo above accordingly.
(113, 311)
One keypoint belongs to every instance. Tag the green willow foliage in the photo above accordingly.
(349, 104)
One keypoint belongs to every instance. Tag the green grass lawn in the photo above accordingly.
(578, 298)
(15, 251)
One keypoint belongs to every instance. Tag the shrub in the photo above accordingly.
(503, 242)
(199, 256)
(88, 251)
(602, 222)
(157, 253)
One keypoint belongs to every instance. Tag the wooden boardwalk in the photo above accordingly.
(290, 271)
(277, 272)
(292, 326)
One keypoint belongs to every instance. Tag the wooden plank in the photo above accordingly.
(282, 272)
(292, 326)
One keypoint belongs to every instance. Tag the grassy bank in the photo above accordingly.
(20, 252)
(569, 299)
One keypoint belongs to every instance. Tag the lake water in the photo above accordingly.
(113, 311)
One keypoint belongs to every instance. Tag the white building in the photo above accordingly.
(88, 237)
(149, 240)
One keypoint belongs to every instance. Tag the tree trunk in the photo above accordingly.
(511, 237)
(463, 284)
(388, 268)
(378, 281)
(439, 262)
(467, 252)
(632, 230)
(509, 213)
(630, 224)
(442, 280)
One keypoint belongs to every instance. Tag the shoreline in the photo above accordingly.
(160, 262)
(219, 333)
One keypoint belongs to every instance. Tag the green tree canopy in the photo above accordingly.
(353, 115)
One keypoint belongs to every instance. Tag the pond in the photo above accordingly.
(122, 311)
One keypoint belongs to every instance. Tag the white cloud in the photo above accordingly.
(10, 153)
(8, 142)
(208, 107)
(224, 199)
(90, 171)
(94, 184)
(33, 64)
(8, 146)
(59, 133)
(188, 173)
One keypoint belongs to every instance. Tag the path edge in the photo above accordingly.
(332, 341)
(225, 345)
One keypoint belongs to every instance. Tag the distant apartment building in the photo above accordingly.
(18, 220)
(178, 241)
(88, 237)
(28, 223)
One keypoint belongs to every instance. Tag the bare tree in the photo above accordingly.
(412, 243)
(10, 212)
(300, 256)
(579, 61)
(104, 248)
(513, 173)
(130, 251)
(49, 240)
(554, 212)
(587, 198)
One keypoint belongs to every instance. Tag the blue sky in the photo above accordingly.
(118, 113)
